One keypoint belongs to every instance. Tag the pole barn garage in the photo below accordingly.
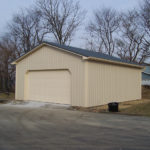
(68, 75)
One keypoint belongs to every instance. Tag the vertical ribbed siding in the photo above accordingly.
(86, 84)
(108, 83)
(92, 83)
(47, 58)
(16, 83)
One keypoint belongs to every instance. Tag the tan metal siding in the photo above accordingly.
(108, 83)
(47, 58)
(92, 83)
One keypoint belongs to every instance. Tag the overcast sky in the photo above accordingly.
(9, 7)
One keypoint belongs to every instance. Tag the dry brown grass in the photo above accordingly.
(145, 93)
(122, 106)
(4, 96)
(138, 109)
(135, 107)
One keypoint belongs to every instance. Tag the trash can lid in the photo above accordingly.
(113, 103)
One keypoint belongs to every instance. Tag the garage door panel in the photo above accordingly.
(51, 86)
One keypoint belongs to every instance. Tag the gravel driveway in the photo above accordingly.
(61, 129)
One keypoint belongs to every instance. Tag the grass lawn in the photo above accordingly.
(4, 96)
(136, 107)
(145, 93)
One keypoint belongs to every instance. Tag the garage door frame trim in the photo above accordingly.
(37, 70)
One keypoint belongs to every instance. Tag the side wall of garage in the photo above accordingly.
(109, 83)
(49, 58)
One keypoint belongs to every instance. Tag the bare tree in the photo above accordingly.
(145, 22)
(26, 30)
(102, 30)
(144, 13)
(132, 42)
(7, 71)
(61, 18)
(30, 27)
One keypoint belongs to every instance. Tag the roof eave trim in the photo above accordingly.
(113, 62)
(39, 46)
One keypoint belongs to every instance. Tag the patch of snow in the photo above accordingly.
(36, 104)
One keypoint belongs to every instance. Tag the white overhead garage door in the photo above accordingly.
(49, 86)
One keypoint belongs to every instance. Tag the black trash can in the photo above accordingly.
(113, 107)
